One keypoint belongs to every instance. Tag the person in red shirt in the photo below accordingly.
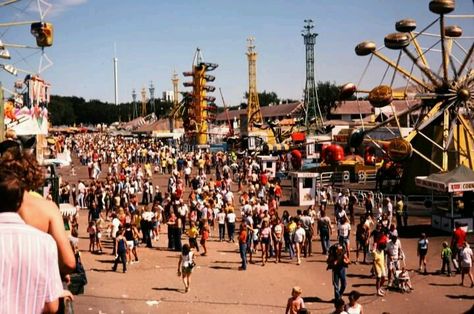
(243, 245)
(263, 178)
(457, 241)
(278, 193)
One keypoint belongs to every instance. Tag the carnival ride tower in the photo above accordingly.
(254, 114)
(200, 105)
(175, 81)
(134, 108)
(144, 111)
(311, 104)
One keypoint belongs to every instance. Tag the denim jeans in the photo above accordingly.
(339, 281)
(243, 254)
(221, 232)
(325, 241)
(230, 230)
(122, 257)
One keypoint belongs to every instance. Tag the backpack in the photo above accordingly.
(121, 247)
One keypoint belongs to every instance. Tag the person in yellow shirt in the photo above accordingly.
(193, 234)
(379, 266)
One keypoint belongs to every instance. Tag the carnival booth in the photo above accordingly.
(268, 164)
(458, 184)
(303, 187)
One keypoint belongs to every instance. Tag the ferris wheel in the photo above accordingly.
(22, 61)
(435, 66)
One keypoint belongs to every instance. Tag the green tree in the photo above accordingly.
(265, 98)
(328, 95)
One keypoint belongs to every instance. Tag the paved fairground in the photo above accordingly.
(152, 285)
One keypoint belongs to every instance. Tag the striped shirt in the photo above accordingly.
(29, 271)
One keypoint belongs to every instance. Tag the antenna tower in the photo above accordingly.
(311, 103)
(253, 106)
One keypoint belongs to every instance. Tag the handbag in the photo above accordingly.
(78, 278)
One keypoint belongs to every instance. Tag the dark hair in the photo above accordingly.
(185, 250)
(25, 166)
(355, 295)
(11, 191)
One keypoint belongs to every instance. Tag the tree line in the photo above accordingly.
(72, 110)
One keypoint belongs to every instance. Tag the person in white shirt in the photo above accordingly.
(231, 224)
(299, 239)
(466, 263)
(394, 255)
(344, 232)
(114, 227)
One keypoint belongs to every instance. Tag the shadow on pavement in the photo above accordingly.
(316, 300)
(359, 276)
(364, 284)
(168, 289)
(227, 262)
(221, 267)
(102, 270)
(461, 296)
(444, 284)
(106, 261)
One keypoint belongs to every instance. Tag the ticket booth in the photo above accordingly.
(303, 187)
(269, 164)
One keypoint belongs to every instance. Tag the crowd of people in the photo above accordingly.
(226, 197)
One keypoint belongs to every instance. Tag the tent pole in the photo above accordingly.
(452, 205)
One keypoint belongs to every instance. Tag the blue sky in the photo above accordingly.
(156, 37)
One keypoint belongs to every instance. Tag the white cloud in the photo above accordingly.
(60, 6)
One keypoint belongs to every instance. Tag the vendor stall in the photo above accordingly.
(458, 183)
(303, 187)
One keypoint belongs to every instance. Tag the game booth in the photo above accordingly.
(458, 185)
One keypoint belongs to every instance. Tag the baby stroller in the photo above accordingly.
(402, 281)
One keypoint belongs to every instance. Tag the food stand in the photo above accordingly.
(455, 183)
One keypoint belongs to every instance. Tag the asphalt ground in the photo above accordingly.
(152, 285)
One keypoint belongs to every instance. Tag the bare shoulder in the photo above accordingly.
(39, 212)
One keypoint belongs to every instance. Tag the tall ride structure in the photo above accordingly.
(134, 108)
(175, 81)
(144, 111)
(151, 89)
(311, 103)
(200, 106)
(253, 107)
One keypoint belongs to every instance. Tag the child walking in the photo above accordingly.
(422, 251)
(295, 303)
(446, 254)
